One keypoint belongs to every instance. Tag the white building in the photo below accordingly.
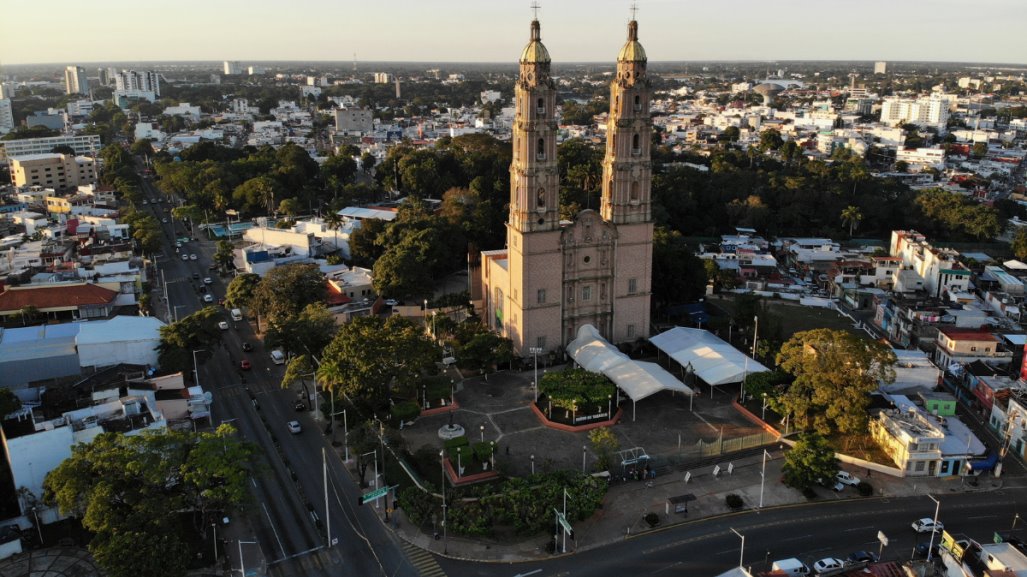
(6, 116)
(134, 80)
(939, 268)
(924, 112)
(880, 67)
(81, 144)
(232, 68)
(382, 78)
(354, 120)
(184, 109)
(256, 70)
(920, 159)
(75, 80)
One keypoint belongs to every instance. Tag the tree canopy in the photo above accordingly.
(369, 356)
(130, 492)
(835, 372)
(810, 462)
(177, 340)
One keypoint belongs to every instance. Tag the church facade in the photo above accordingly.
(554, 277)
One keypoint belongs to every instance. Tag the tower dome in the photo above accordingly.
(632, 51)
(535, 51)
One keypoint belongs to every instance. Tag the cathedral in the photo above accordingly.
(554, 276)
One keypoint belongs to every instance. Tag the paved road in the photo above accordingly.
(809, 532)
(287, 521)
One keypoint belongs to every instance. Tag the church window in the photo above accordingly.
(588, 259)
(540, 150)
(541, 107)
(586, 293)
(634, 190)
(632, 286)
(541, 296)
(631, 331)
(602, 291)
(540, 342)
(638, 102)
(540, 198)
(635, 147)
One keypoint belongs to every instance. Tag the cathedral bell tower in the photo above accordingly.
(534, 176)
(627, 185)
(627, 170)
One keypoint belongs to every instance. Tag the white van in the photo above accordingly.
(790, 567)
(277, 357)
(236, 314)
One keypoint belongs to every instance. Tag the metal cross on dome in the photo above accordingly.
(634, 9)
(534, 8)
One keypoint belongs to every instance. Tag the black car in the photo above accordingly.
(196, 276)
(299, 406)
(247, 347)
(862, 556)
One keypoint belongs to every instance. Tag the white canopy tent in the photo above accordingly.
(637, 379)
(712, 359)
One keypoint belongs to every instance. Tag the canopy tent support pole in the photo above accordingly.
(634, 404)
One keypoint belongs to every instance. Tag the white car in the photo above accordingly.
(827, 564)
(207, 280)
(846, 478)
(927, 525)
(391, 302)
(192, 257)
(185, 256)
(294, 427)
(222, 325)
(208, 298)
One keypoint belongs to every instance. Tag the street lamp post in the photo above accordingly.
(424, 395)
(445, 540)
(763, 476)
(764, 407)
(196, 370)
(214, 526)
(533, 464)
(493, 443)
(609, 407)
(483, 433)
(459, 463)
(584, 454)
(535, 351)
(934, 530)
(741, 552)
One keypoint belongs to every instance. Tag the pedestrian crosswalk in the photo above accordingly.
(423, 561)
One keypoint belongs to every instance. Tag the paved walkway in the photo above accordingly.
(51, 562)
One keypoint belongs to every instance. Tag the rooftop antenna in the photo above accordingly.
(534, 8)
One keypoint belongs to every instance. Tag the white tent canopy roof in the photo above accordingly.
(637, 379)
(713, 360)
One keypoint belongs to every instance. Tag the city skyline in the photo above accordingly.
(474, 31)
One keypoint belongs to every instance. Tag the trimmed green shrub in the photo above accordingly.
(406, 410)
(864, 489)
(734, 501)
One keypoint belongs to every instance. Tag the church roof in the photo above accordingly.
(535, 51)
(632, 50)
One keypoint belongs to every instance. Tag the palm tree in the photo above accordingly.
(852, 216)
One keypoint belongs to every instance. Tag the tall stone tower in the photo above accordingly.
(552, 278)
(532, 316)
(627, 190)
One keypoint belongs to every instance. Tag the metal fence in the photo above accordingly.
(704, 452)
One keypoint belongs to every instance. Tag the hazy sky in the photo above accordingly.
(66, 31)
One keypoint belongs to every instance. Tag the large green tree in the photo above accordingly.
(835, 371)
(308, 332)
(678, 275)
(810, 462)
(239, 293)
(286, 290)
(179, 339)
(131, 493)
(370, 356)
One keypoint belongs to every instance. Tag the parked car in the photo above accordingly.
(845, 478)
(927, 525)
(391, 302)
(862, 557)
(196, 276)
(223, 325)
(244, 364)
(827, 564)
(192, 257)
(247, 347)
(212, 267)
(207, 280)
(299, 406)
(208, 298)
(185, 256)
(294, 427)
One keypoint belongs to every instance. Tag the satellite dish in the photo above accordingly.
(208, 397)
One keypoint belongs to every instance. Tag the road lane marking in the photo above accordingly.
(858, 529)
(273, 529)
